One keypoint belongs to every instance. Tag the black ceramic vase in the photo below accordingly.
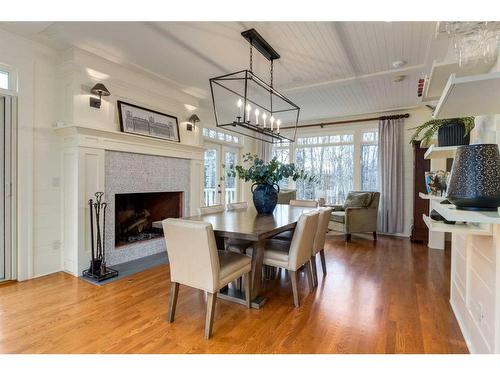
(265, 198)
(475, 178)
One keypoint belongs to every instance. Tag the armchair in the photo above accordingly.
(359, 214)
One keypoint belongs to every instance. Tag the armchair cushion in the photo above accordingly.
(358, 199)
(338, 216)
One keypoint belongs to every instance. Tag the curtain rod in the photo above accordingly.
(321, 124)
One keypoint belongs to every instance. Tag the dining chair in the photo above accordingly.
(293, 255)
(237, 206)
(287, 235)
(205, 210)
(304, 203)
(196, 262)
(319, 242)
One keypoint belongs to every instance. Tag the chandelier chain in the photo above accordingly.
(272, 72)
(251, 56)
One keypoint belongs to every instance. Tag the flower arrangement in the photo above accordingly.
(262, 173)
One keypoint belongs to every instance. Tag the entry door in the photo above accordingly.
(218, 188)
(7, 116)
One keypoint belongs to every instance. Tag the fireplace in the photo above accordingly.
(135, 213)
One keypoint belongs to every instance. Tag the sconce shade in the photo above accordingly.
(475, 178)
(194, 118)
(100, 89)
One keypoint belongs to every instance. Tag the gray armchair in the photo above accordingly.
(357, 215)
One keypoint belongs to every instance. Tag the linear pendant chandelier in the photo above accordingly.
(247, 105)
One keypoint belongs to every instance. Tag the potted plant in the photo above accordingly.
(451, 132)
(265, 178)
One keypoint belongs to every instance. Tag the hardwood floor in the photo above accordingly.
(391, 297)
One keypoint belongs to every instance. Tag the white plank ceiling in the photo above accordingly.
(330, 69)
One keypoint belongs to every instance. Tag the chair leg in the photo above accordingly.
(375, 236)
(174, 292)
(209, 320)
(323, 261)
(309, 276)
(314, 270)
(293, 277)
(348, 237)
(248, 298)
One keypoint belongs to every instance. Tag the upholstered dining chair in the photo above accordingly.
(304, 203)
(198, 264)
(211, 209)
(287, 236)
(295, 254)
(319, 242)
(237, 206)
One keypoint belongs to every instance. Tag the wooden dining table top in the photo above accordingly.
(247, 224)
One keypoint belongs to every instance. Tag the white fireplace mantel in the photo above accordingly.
(81, 136)
(83, 168)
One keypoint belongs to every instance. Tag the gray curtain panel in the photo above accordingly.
(390, 173)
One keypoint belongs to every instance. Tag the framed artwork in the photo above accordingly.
(143, 121)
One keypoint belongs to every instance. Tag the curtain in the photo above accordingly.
(390, 173)
(264, 150)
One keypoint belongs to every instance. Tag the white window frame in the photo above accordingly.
(219, 141)
(12, 82)
(356, 130)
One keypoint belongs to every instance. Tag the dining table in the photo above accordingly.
(248, 225)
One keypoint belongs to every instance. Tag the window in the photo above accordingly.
(369, 161)
(340, 162)
(4, 80)
(212, 134)
(333, 167)
(282, 152)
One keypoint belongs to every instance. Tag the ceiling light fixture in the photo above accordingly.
(398, 64)
(246, 104)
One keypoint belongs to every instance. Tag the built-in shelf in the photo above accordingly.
(450, 212)
(441, 72)
(431, 197)
(466, 228)
(434, 152)
(469, 96)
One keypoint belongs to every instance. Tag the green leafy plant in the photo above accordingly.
(260, 172)
(430, 127)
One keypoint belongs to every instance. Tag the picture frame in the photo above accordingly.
(147, 122)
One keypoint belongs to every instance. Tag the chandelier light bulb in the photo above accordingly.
(264, 117)
(248, 108)
(257, 116)
(278, 123)
(272, 122)
(239, 104)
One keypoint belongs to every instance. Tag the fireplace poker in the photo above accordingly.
(92, 234)
(103, 261)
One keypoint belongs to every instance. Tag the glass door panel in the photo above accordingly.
(211, 186)
(230, 185)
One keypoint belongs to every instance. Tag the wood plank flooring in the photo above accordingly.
(391, 297)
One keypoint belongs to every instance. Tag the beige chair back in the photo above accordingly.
(303, 240)
(192, 253)
(323, 220)
(211, 209)
(304, 203)
(237, 206)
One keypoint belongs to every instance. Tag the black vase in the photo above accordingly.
(475, 178)
(452, 134)
(265, 198)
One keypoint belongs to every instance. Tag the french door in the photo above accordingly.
(218, 187)
(7, 150)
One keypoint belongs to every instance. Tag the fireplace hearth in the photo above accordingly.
(135, 213)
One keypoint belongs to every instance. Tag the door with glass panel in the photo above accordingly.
(7, 116)
(218, 187)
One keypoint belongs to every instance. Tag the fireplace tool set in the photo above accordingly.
(98, 270)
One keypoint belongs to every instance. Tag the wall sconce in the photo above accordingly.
(101, 90)
(192, 122)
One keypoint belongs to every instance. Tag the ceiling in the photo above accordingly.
(330, 69)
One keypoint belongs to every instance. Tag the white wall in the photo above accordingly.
(38, 165)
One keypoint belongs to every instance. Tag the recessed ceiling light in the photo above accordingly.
(399, 78)
(189, 107)
(398, 64)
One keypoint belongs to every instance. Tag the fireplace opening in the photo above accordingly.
(135, 213)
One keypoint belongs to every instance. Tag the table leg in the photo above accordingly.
(257, 261)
